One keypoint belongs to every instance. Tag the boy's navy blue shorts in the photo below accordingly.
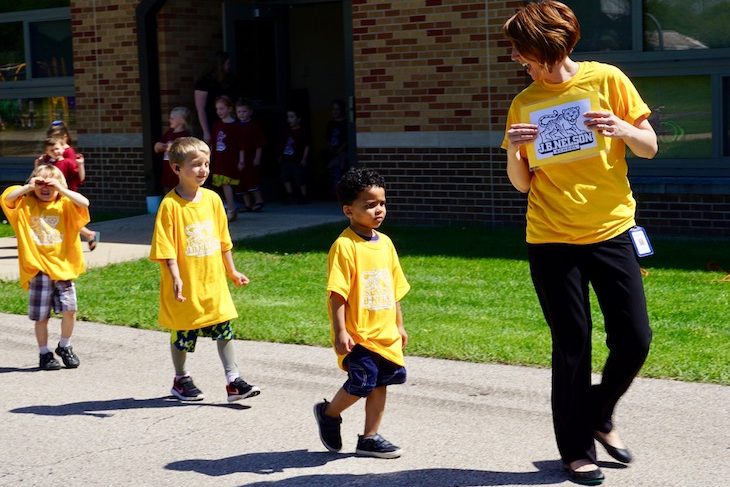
(367, 370)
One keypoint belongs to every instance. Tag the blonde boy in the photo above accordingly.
(46, 217)
(193, 246)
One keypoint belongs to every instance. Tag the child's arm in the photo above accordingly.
(160, 147)
(343, 341)
(399, 322)
(257, 158)
(241, 159)
(177, 283)
(20, 191)
(305, 156)
(77, 198)
(82, 169)
(238, 278)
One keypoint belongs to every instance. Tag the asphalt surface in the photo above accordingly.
(113, 422)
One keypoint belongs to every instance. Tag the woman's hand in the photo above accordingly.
(607, 124)
(521, 133)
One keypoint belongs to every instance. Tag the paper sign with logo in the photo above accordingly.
(562, 135)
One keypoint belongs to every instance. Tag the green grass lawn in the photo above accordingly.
(471, 298)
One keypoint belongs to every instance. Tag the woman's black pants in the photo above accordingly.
(561, 274)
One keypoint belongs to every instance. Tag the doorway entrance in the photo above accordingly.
(293, 54)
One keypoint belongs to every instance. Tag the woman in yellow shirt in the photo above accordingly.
(579, 212)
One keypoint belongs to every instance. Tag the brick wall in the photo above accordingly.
(106, 78)
(189, 32)
(447, 185)
(684, 214)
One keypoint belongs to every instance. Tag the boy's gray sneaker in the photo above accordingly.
(376, 446)
(70, 360)
(48, 362)
(329, 427)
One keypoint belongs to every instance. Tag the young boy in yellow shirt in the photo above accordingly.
(365, 285)
(193, 246)
(47, 217)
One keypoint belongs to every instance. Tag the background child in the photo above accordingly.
(227, 157)
(365, 285)
(60, 130)
(293, 157)
(336, 138)
(57, 153)
(252, 138)
(193, 246)
(46, 217)
(179, 127)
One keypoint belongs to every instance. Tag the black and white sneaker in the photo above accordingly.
(376, 446)
(329, 427)
(240, 389)
(184, 389)
(48, 362)
(70, 359)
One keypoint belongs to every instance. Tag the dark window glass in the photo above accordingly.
(674, 25)
(24, 121)
(12, 52)
(20, 5)
(726, 117)
(605, 25)
(681, 114)
(51, 49)
(256, 56)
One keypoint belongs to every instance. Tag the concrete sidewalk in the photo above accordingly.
(112, 421)
(129, 238)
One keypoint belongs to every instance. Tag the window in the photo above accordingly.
(677, 52)
(36, 76)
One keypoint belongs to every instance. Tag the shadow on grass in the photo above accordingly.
(97, 408)
(549, 472)
(485, 242)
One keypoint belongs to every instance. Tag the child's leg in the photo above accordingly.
(247, 200)
(340, 402)
(178, 360)
(374, 409)
(68, 321)
(227, 354)
(228, 195)
(41, 335)
(258, 197)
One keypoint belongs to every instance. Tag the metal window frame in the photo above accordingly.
(714, 63)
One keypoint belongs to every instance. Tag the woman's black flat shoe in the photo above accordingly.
(621, 454)
(590, 477)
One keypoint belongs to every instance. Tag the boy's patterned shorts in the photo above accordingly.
(185, 340)
(46, 294)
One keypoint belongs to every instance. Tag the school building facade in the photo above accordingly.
(427, 83)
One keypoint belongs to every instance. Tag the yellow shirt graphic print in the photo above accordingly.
(201, 239)
(377, 288)
(44, 231)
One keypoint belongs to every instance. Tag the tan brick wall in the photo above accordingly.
(189, 32)
(106, 74)
(432, 65)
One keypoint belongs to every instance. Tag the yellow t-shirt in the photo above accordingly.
(588, 200)
(369, 276)
(47, 235)
(195, 234)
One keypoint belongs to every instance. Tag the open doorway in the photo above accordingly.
(293, 53)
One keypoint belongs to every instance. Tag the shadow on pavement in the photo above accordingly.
(550, 472)
(6, 370)
(96, 408)
(263, 463)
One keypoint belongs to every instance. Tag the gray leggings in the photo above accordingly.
(225, 351)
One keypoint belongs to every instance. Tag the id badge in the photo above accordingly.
(642, 246)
